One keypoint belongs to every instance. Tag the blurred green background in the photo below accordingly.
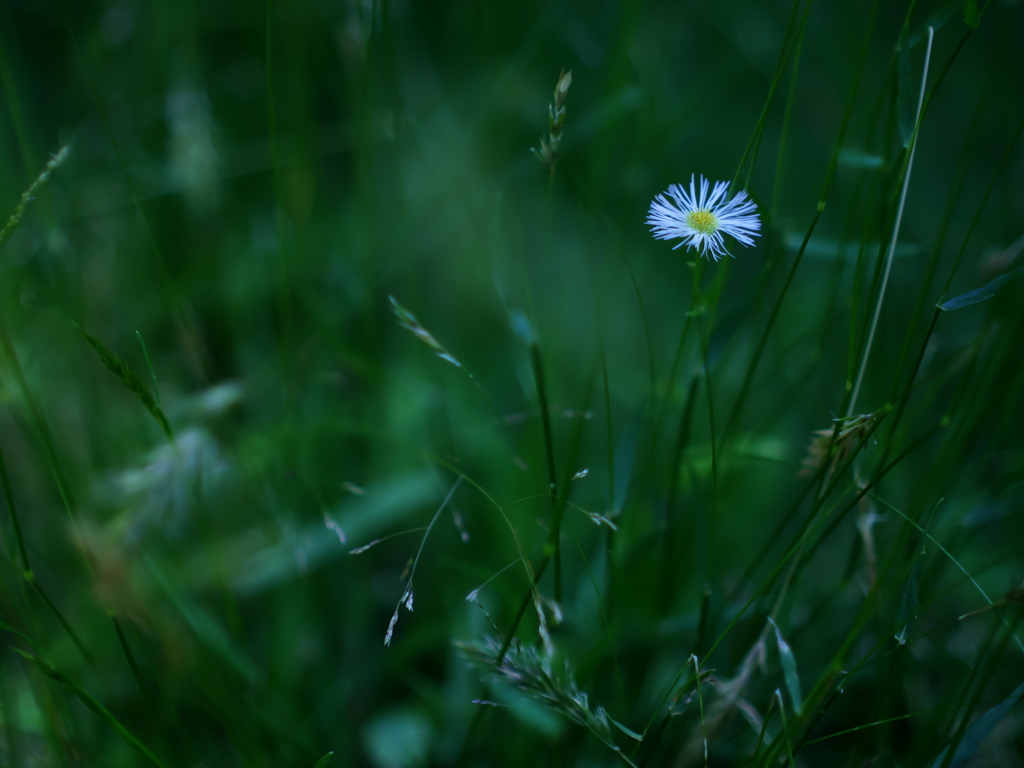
(247, 185)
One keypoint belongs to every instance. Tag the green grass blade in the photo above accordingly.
(979, 730)
(978, 295)
(102, 712)
(789, 669)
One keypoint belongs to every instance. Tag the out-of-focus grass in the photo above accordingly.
(245, 188)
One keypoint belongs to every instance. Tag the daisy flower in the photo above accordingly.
(700, 220)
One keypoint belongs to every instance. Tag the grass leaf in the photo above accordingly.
(632, 734)
(908, 606)
(979, 729)
(906, 97)
(979, 295)
(789, 669)
(625, 454)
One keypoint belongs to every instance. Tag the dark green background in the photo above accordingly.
(247, 197)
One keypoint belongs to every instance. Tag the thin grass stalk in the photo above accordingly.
(924, 532)
(38, 422)
(783, 735)
(819, 712)
(776, 79)
(610, 457)
(673, 370)
(647, 325)
(807, 530)
(713, 511)
(129, 656)
(787, 113)
(609, 430)
(804, 537)
(901, 403)
(848, 109)
(553, 547)
(983, 678)
(1007, 350)
(171, 293)
(407, 593)
(79, 644)
(56, 721)
(764, 730)
(817, 693)
(93, 704)
(946, 219)
(861, 189)
(283, 293)
(785, 52)
(854, 339)
(696, 307)
(572, 451)
(895, 231)
(815, 484)
(748, 378)
(668, 532)
(1004, 160)
(602, 345)
(26, 150)
(408, 321)
(26, 568)
(517, 620)
(602, 602)
(949, 64)
(11, 721)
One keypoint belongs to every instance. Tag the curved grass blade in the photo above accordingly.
(979, 729)
(905, 98)
(625, 455)
(102, 712)
(908, 606)
(979, 295)
(789, 669)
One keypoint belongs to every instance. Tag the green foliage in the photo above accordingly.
(650, 510)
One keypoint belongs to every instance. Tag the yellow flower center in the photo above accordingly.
(702, 221)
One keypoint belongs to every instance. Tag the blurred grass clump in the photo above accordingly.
(389, 373)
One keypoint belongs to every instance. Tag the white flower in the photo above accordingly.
(701, 220)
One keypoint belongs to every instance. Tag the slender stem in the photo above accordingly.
(748, 378)
(426, 534)
(553, 546)
(784, 54)
(522, 610)
(38, 421)
(895, 229)
(713, 518)
(26, 569)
